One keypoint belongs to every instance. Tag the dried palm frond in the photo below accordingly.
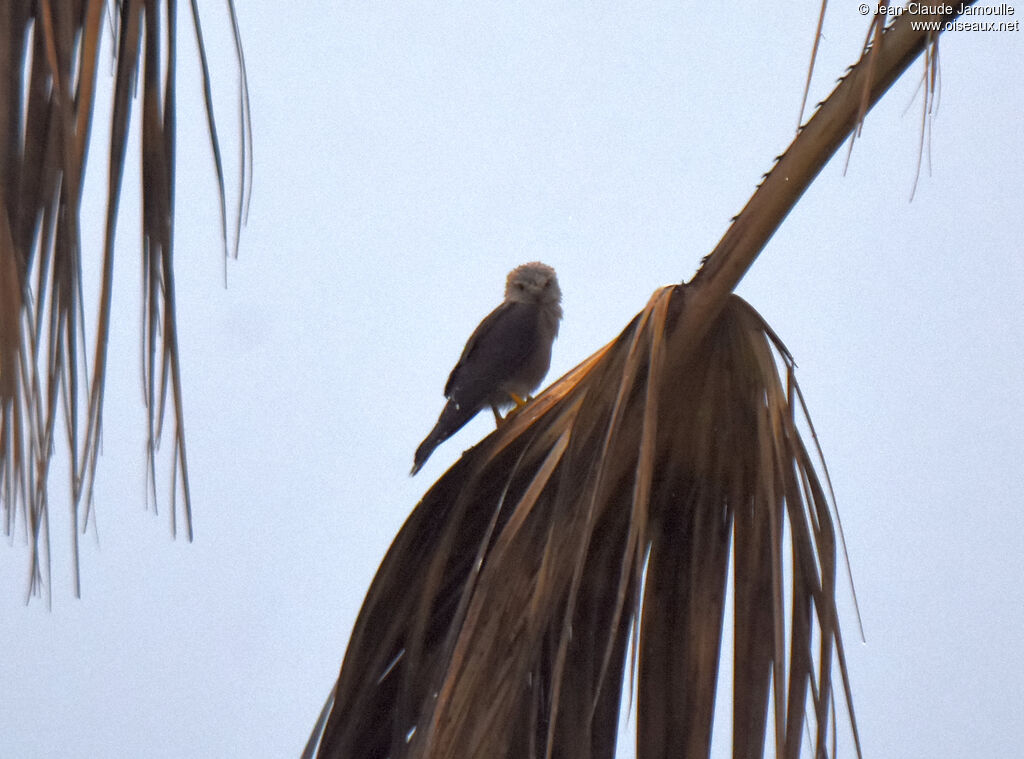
(610, 509)
(499, 620)
(49, 56)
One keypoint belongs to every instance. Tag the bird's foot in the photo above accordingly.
(519, 401)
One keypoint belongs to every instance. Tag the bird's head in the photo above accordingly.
(533, 283)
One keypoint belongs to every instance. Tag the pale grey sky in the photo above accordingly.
(406, 157)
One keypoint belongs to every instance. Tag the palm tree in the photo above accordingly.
(50, 53)
(599, 524)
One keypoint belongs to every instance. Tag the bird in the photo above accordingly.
(505, 358)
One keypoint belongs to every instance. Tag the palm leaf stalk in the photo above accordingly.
(610, 510)
(49, 55)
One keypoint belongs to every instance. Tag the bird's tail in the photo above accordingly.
(451, 421)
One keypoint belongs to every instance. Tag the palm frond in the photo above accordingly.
(615, 507)
(49, 56)
(499, 620)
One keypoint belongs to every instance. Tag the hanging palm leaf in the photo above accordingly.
(49, 57)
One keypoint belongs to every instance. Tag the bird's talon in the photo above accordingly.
(520, 403)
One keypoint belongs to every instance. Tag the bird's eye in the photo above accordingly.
(519, 285)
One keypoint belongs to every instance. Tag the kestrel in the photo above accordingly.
(506, 357)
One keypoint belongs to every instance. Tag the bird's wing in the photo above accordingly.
(497, 349)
